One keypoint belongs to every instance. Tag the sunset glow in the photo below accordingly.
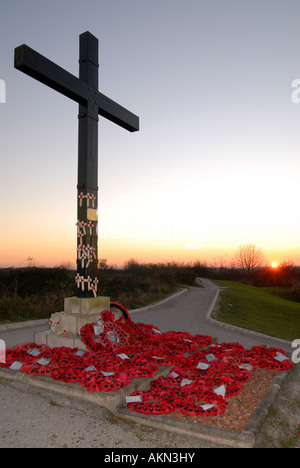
(274, 265)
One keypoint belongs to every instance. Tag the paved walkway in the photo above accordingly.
(23, 333)
(191, 312)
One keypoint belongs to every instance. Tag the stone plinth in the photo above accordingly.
(65, 326)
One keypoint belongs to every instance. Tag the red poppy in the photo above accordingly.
(125, 350)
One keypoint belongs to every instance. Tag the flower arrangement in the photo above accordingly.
(203, 375)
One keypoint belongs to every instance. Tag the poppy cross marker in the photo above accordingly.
(92, 103)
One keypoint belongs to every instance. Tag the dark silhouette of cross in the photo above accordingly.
(92, 103)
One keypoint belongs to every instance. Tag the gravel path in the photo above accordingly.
(39, 419)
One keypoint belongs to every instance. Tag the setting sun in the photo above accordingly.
(274, 265)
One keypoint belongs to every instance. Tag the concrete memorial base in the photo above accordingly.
(65, 326)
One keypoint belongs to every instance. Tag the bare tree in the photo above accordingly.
(248, 256)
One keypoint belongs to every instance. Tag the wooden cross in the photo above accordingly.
(92, 103)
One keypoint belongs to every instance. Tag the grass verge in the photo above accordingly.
(259, 309)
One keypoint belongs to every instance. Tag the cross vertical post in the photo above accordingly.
(87, 188)
(92, 103)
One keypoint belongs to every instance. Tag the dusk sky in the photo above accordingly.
(216, 162)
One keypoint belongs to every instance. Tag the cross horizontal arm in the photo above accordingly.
(117, 114)
(42, 69)
(39, 67)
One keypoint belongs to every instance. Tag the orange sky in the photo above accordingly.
(216, 161)
(47, 251)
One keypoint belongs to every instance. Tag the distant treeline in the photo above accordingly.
(34, 292)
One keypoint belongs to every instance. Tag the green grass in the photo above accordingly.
(264, 310)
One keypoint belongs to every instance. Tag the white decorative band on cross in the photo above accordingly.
(86, 253)
(89, 197)
(83, 225)
(81, 281)
(2, 351)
